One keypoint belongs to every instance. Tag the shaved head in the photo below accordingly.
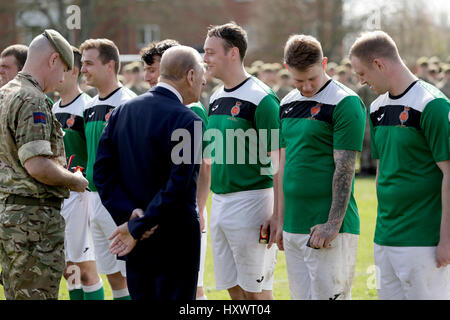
(45, 63)
(177, 61)
(40, 48)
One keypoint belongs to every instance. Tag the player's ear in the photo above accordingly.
(324, 63)
(190, 77)
(235, 53)
(379, 64)
(111, 65)
(75, 71)
(53, 60)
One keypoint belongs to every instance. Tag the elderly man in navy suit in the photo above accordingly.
(147, 179)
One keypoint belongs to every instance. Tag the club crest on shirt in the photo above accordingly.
(315, 110)
(404, 115)
(71, 121)
(235, 110)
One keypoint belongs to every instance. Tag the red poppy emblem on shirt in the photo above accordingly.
(404, 115)
(315, 110)
(236, 109)
(108, 114)
(70, 122)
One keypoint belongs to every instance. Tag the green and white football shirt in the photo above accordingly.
(199, 109)
(96, 116)
(71, 118)
(409, 134)
(241, 121)
(311, 129)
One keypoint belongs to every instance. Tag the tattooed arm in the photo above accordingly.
(323, 234)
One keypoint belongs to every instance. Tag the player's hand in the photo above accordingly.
(202, 220)
(122, 241)
(443, 254)
(272, 222)
(139, 213)
(279, 239)
(79, 182)
(323, 234)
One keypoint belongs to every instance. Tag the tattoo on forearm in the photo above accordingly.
(342, 183)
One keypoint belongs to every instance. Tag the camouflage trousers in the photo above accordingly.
(31, 251)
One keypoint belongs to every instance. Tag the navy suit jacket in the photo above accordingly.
(134, 169)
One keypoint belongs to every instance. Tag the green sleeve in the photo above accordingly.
(267, 116)
(200, 110)
(435, 123)
(349, 120)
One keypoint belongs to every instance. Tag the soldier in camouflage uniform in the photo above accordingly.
(33, 180)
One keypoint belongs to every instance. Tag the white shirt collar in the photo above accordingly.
(172, 89)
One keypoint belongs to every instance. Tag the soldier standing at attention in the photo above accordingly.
(33, 178)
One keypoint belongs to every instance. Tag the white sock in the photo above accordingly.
(120, 293)
(203, 297)
(94, 287)
(71, 287)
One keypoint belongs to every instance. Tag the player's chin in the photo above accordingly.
(378, 90)
(308, 94)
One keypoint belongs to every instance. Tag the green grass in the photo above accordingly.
(362, 289)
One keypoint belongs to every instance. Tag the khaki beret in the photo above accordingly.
(434, 59)
(257, 63)
(252, 70)
(276, 66)
(422, 61)
(61, 46)
(266, 67)
(332, 65)
(346, 62)
(127, 68)
(446, 68)
(341, 69)
(283, 73)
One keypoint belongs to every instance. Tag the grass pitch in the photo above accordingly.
(364, 282)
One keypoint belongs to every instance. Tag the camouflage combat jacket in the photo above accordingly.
(28, 128)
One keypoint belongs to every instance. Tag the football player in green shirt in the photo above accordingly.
(322, 129)
(410, 139)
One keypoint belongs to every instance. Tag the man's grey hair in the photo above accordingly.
(177, 61)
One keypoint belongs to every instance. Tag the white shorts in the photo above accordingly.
(239, 259)
(320, 274)
(410, 273)
(78, 242)
(203, 244)
(102, 227)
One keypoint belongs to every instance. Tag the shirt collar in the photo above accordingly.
(170, 88)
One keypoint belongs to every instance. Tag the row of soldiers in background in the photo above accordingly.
(432, 70)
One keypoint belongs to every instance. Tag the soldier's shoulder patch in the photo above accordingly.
(39, 117)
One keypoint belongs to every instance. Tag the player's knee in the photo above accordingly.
(88, 277)
(117, 281)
